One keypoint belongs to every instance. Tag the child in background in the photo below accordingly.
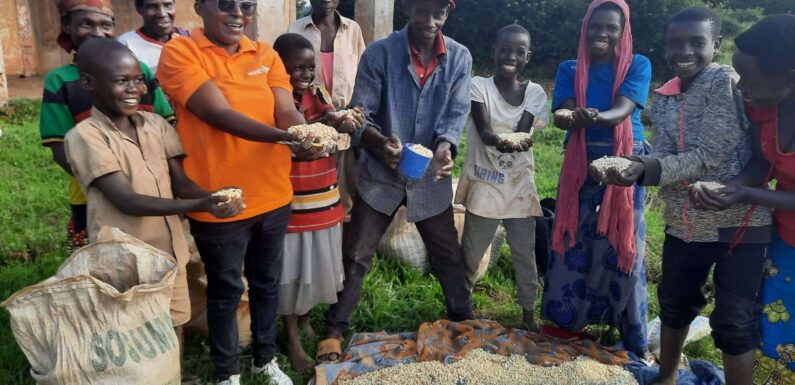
(497, 183)
(130, 164)
(338, 44)
(65, 103)
(598, 272)
(701, 134)
(765, 61)
(312, 271)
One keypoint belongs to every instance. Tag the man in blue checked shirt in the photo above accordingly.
(414, 85)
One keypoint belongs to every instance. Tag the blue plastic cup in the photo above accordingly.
(412, 164)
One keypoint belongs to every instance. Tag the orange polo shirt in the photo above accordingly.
(424, 72)
(215, 158)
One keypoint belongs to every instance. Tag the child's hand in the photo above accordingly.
(391, 151)
(504, 146)
(223, 206)
(443, 161)
(626, 177)
(584, 117)
(720, 199)
(347, 121)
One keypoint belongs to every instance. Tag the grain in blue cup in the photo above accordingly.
(415, 160)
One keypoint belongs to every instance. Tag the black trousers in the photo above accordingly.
(737, 278)
(361, 237)
(254, 246)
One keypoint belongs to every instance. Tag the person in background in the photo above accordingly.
(65, 103)
(312, 270)
(414, 86)
(497, 182)
(597, 273)
(765, 61)
(130, 165)
(338, 45)
(158, 29)
(234, 102)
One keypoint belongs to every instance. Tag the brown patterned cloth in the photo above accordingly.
(448, 341)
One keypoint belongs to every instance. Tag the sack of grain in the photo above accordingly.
(197, 289)
(403, 243)
(103, 318)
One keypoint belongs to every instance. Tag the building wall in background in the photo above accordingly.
(29, 29)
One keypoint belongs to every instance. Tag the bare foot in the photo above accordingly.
(306, 327)
(528, 319)
(299, 360)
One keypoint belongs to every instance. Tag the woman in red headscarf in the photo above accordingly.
(597, 272)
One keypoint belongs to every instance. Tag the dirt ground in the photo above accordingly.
(29, 87)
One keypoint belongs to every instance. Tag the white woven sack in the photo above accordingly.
(403, 243)
(102, 319)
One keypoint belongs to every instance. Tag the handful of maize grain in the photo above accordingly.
(482, 368)
(349, 113)
(231, 192)
(603, 164)
(326, 134)
(422, 150)
(563, 114)
(516, 139)
(711, 186)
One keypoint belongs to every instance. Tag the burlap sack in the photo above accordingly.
(197, 289)
(103, 318)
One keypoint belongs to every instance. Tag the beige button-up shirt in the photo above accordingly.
(95, 147)
(348, 49)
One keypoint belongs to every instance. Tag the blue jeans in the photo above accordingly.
(227, 249)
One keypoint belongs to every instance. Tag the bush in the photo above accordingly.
(555, 26)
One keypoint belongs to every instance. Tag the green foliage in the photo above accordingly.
(33, 199)
(20, 110)
(555, 26)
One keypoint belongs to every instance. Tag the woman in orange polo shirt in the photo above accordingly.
(234, 100)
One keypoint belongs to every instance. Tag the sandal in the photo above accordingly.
(329, 350)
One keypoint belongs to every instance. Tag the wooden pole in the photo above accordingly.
(273, 18)
(375, 18)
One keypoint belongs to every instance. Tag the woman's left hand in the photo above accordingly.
(308, 149)
(584, 117)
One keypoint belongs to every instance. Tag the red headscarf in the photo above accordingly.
(66, 7)
(616, 212)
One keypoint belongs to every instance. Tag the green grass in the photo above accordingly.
(35, 210)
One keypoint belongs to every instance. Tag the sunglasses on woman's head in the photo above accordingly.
(248, 8)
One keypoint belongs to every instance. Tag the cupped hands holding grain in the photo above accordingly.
(318, 140)
(346, 121)
(225, 203)
(514, 142)
(579, 118)
(563, 118)
(616, 170)
(712, 195)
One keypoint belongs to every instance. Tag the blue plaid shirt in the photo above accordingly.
(388, 88)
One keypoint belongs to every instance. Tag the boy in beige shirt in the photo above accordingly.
(129, 163)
